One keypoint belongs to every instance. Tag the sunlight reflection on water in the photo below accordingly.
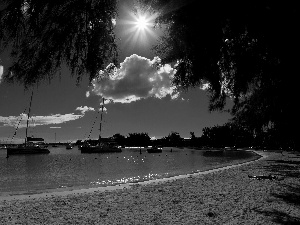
(125, 180)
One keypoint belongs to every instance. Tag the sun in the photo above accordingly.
(142, 23)
(138, 27)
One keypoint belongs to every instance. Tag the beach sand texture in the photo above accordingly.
(226, 196)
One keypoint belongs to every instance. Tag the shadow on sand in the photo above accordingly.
(289, 193)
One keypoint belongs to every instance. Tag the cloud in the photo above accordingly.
(21, 120)
(1, 72)
(137, 78)
(85, 109)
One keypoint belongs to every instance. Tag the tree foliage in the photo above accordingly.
(44, 34)
(243, 50)
(138, 139)
(120, 139)
(173, 139)
(227, 135)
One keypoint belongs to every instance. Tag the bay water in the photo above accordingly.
(69, 168)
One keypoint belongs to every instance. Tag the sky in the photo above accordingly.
(138, 97)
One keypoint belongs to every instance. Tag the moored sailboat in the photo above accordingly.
(29, 147)
(102, 146)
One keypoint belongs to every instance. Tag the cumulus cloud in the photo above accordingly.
(84, 109)
(21, 120)
(137, 78)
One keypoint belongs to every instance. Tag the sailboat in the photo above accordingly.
(102, 146)
(30, 146)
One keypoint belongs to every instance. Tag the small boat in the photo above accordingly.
(69, 146)
(30, 146)
(154, 149)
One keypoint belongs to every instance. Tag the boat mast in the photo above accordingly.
(28, 115)
(101, 119)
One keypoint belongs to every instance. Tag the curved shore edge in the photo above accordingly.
(76, 191)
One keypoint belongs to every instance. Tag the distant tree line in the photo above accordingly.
(234, 135)
(228, 135)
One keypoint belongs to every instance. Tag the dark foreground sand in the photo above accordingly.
(226, 196)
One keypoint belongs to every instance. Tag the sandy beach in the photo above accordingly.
(222, 196)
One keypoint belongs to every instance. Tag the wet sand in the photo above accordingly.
(225, 195)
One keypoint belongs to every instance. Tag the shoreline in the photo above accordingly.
(225, 196)
(23, 195)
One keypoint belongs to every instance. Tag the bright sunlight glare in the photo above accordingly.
(142, 23)
(138, 27)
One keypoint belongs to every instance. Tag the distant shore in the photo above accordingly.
(228, 195)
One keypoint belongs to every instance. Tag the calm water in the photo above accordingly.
(69, 168)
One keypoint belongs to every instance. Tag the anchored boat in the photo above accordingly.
(154, 149)
(31, 145)
(102, 146)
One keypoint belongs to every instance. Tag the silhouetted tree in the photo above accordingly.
(229, 134)
(44, 34)
(192, 135)
(194, 140)
(243, 51)
(240, 136)
(173, 139)
(138, 139)
(120, 139)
